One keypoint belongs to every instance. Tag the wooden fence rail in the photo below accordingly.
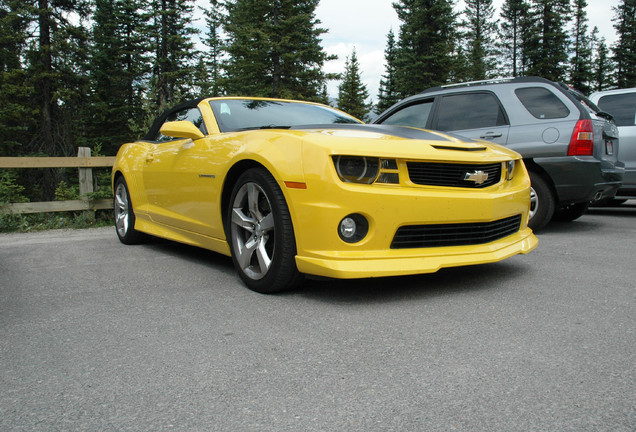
(83, 161)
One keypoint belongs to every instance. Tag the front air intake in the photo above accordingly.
(464, 234)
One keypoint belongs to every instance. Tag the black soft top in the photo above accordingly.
(156, 125)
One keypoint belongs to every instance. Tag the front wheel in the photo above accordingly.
(261, 234)
(541, 202)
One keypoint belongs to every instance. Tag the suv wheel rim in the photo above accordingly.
(534, 203)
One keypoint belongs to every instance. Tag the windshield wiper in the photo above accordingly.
(271, 126)
(274, 127)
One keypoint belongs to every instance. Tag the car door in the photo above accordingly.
(477, 115)
(178, 186)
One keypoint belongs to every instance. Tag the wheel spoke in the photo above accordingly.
(243, 221)
(264, 261)
(120, 202)
(267, 223)
(252, 200)
(245, 254)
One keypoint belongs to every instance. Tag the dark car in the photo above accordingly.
(568, 145)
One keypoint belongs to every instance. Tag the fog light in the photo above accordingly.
(353, 228)
(348, 228)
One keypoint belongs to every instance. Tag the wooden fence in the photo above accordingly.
(83, 161)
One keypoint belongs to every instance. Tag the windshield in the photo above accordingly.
(243, 114)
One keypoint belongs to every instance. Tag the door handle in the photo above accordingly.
(150, 157)
(490, 135)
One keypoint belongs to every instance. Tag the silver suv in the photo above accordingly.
(622, 105)
(568, 145)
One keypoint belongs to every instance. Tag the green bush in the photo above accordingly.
(10, 191)
(64, 192)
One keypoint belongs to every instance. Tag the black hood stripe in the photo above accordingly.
(396, 131)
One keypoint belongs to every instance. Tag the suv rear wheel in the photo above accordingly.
(541, 202)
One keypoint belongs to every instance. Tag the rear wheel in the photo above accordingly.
(541, 202)
(124, 215)
(261, 234)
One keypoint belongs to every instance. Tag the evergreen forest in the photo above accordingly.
(95, 73)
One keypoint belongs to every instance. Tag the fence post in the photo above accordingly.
(85, 180)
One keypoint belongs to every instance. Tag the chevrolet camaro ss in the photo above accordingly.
(289, 188)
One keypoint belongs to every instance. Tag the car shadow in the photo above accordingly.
(193, 254)
(450, 281)
(578, 226)
(626, 210)
(447, 281)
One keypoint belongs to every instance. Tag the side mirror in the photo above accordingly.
(181, 129)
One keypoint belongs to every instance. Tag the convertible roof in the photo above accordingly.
(156, 125)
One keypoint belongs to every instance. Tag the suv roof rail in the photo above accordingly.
(488, 81)
(479, 82)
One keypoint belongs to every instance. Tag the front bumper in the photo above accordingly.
(398, 263)
(318, 210)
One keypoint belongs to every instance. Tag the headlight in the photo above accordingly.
(357, 169)
(510, 168)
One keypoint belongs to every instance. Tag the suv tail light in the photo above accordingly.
(582, 141)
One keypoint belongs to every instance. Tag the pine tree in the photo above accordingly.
(209, 69)
(514, 25)
(546, 48)
(602, 67)
(173, 63)
(387, 92)
(426, 44)
(581, 66)
(480, 39)
(119, 69)
(56, 66)
(16, 120)
(274, 49)
(625, 47)
(352, 93)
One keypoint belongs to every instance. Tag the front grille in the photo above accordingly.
(452, 175)
(464, 234)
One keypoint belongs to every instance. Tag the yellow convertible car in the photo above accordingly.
(292, 188)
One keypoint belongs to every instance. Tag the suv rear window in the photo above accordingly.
(470, 111)
(542, 103)
(621, 106)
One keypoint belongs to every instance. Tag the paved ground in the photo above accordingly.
(95, 335)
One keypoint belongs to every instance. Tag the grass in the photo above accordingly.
(48, 221)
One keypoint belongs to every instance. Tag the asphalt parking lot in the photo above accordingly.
(98, 336)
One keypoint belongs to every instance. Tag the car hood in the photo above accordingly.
(400, 141)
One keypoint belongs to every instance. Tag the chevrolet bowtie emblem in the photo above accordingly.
(478, 177)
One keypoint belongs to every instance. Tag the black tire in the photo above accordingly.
(542, 202)
(125, 215)
(261, 234)
(570, 212)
